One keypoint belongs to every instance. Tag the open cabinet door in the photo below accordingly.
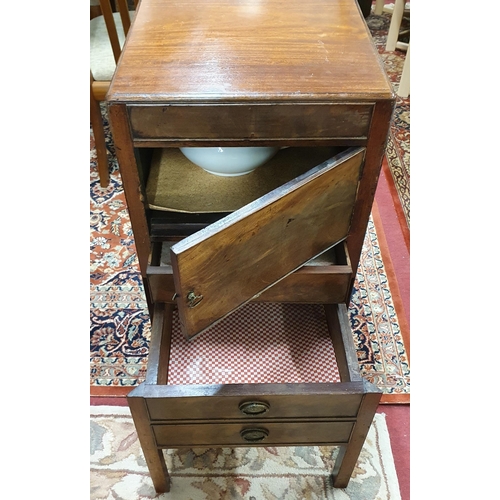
(232, 261)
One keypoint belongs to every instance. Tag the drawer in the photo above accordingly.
(256, 401)
(225, 123)
(241, 434)
(298, 363)
(324, 280)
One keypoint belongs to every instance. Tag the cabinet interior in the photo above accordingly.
(175, 190)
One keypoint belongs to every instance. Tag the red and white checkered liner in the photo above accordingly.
(259, 343)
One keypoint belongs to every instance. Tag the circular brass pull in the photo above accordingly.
(254, 407)
(254, 435)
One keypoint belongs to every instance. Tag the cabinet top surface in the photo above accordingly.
(248, 50)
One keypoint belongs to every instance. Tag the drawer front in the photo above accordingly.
(318, 285)
(241, 434)
(339, 400)
(329, 285)
(323, 282)
(252, 121)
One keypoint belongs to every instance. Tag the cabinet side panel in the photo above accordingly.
(118, 118)
(368, 185)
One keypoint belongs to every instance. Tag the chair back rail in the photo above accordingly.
(123, 9)
(107, 13)
(98, 88)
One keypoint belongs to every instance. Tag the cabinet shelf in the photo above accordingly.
(175, 184)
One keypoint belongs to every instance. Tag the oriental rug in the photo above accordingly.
(118, 469)
(398, 145)
(120, 326)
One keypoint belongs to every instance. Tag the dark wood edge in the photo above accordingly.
(328, 99)
(326, 269)
(109, 391)
(253, 421)
(375, 150)
(303, 141)
(155, 256)
(258, 445)
(348, 455)
(159, 350)
(153, 455)
(341, 335)
(245, 390)
(118, 119)
(116, 396)
(395, 399)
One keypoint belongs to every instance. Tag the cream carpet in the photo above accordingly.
(118, 470)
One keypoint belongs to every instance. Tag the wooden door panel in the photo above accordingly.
(223, 266)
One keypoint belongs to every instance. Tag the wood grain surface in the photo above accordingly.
(245, 253)
(248, 49)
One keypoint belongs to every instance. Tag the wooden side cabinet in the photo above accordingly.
(304, 77)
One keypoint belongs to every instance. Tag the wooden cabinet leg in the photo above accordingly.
(349, 454)
(154, 456)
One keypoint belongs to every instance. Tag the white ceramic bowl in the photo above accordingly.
(230, 161)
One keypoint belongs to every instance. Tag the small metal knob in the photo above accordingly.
(193, 299)
(254, 435)
(254, 407)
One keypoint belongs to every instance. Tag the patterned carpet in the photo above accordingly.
(398, 147)
(120, 327)
(118, 468)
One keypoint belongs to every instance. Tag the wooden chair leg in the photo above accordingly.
(404, 83)
(396, 19)
(154, 456)
(349, 454)
(100, 140)
(379, 7)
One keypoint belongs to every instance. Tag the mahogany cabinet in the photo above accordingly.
(304, 77)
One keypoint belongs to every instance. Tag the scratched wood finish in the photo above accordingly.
(250, 122)
(299, 401)
(278, 50)
(243, 254)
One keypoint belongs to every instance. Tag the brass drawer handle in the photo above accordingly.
(254, 407)
(193, 299)
(254, 435)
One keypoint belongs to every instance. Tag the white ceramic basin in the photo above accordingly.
(230, 161)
